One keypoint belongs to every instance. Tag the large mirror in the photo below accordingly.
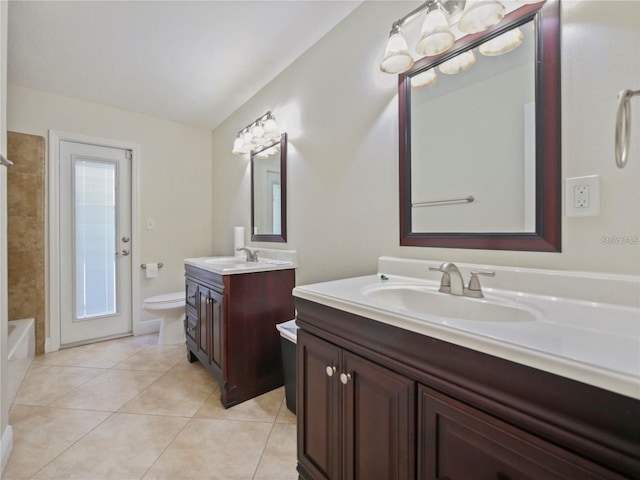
(480, 149)
(269, 192)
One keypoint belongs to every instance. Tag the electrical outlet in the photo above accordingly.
(582, 196)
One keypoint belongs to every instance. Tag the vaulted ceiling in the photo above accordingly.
(194, 62)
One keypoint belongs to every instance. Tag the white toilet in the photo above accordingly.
(171, 307)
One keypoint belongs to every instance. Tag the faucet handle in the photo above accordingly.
(475, 290)
(445, 281)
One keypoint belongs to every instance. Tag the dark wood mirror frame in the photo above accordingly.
(282, 237)
(547, 237)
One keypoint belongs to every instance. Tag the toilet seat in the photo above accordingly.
(165, 301)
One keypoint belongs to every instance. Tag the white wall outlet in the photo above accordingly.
(582, 196)
(151, 223)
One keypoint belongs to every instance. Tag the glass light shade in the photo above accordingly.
(271, 129)
(459, 63)
(502, 44)
(257, 130)
(397, 58)
(529, 2)
(262, 154)
(424, 79)
(478, 15)
(436, 36)
(239, 148)
(247, 137)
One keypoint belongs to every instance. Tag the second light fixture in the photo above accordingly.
(436, 36)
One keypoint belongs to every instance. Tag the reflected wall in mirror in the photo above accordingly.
(480, 150)
(269, 192)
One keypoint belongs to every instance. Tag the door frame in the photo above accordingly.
(52, 233)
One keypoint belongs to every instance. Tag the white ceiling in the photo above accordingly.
(195, 62)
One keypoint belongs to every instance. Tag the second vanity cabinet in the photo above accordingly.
(230, 328)
(338, 409)
(379, 402)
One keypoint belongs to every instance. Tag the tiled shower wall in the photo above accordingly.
(25, 230)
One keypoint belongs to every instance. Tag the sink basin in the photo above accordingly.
(428, 300)
(225, 260)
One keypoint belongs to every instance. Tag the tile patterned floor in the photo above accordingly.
(132, 409)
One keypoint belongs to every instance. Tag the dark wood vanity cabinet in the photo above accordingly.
(208, 330)
(358, 416)
(459, 442)
(417, 407)
(230, 327)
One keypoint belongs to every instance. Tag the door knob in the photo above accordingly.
(345, 377)
(330, 371)
(125, 252)
(125, 239)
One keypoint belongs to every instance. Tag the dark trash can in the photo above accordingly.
(288, 340)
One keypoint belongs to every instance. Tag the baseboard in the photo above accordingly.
(7, 446)
(50, 345)
(149, 326)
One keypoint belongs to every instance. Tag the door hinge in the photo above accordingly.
(129, 154)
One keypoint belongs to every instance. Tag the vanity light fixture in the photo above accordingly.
(502, 43)
(259, 132)
(424, 79)
(397, 58)
(459, 63)
(479, 15)
(436, 36)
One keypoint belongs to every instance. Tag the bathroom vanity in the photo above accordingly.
(387, 390)
(232, 309)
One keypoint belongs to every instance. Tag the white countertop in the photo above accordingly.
(592, 342)
(268, 260)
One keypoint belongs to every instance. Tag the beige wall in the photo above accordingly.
(341, 116)
(174, 175)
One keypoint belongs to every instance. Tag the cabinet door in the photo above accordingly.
(379, 418)
(458, 442)
(191, 324)
(191, 292)
(319, 441)
(203, 330)
(215, 316)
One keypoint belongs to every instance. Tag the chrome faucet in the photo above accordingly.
(453, 283)
(252, 255)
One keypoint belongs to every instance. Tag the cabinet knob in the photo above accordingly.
(330, 371)
(345, 377)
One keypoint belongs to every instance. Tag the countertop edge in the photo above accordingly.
(601, 378)
(221, 271)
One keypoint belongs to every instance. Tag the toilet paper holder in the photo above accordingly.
(144, 265)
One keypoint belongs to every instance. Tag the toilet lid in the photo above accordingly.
(166, 298)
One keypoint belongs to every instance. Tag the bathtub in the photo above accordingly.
(21, 345)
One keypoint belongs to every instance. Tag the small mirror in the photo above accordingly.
(269, 191)
(480, 149)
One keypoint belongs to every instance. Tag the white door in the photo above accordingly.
(95, 242)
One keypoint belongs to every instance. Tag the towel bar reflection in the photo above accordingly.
(437, 203)
(623, 126)
(144, 265)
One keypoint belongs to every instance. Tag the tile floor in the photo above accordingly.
(131, 409)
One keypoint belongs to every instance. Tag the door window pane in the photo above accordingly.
(95, 238)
